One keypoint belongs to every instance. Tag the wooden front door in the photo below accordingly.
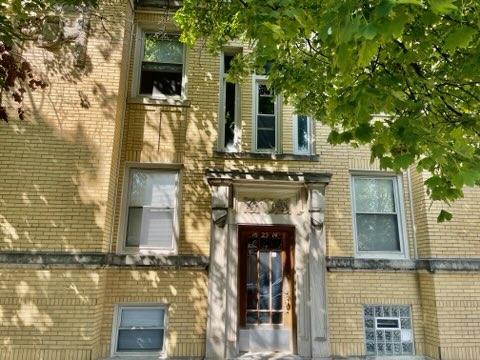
(266, 286)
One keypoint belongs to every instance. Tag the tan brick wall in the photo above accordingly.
(348, 291)
(185, 293)
(55, 181)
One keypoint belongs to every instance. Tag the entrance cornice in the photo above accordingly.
(227, 177)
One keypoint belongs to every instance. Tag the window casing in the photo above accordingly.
(151, 214)
(229, 124)
(265, 134)
(378, 216)
(388, 330)
(139, 330)
(302, 134)
(160, 60)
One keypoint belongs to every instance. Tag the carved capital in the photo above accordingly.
(317, 219)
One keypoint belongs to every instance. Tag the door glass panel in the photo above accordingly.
(276, 258)
(264, 278)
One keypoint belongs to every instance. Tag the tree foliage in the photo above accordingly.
(415, 62)
(24, 21)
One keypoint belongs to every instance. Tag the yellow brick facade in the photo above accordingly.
(62, 191)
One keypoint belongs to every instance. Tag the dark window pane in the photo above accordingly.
(276, 281)
(266, 139)
(266, 105)
(302, 133)
(252, 317)
(252, 280)
(266, 122)
(264, 318)
(264, 281)
(134, 226)
(377, 232)
(140, 340)
(277, 318)
(264, 90)
(229, 114)
(227, 61)
(161, 82)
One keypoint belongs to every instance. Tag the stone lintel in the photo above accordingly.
(219, 176)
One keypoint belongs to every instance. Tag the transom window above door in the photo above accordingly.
(377, 216)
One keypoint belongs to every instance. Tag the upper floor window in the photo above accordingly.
(151, 211)
(377, 216)
(139, 330)
(161, 69)
(266, 118)
(302, 134)
(229, 106)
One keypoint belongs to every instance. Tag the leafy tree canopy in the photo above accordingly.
(23, 21)
(417, 62)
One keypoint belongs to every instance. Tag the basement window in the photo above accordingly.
(388, 330)
(161, 69)
(139, 330)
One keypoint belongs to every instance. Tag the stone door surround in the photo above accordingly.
(267, 198)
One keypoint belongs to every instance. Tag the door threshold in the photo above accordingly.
(268, 356)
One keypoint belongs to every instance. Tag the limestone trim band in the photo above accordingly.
(336, 263)
(100, 260)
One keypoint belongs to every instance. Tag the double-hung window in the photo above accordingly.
(302, 134)
(229, 109)
(151, 211)
(266, 118)
(377, 216)
(161, 72)
(139, 330)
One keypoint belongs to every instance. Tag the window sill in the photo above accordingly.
(145, 100)
(266, 156)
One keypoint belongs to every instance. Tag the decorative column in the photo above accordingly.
(317, 271)
(217, 282)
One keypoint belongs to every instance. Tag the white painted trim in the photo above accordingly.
(296, 150)
(115, 328)
(140, 31)
(262, 80)
(122, 224)
(221, 109)
(399, 205)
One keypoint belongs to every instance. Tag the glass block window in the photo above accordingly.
(139, 329)
(377, 219)
(388, 330)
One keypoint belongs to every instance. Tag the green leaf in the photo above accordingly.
(413, 2)
(459, 38)
(444, 216)
(442, 6)
(367, 52)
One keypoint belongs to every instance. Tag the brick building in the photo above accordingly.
(149, 209)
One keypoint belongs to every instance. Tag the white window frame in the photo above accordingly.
(296, 149)
(221, 111)
(262, 80)
(137, 66)
(117, 312)
(399, 206)
(123, 223)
